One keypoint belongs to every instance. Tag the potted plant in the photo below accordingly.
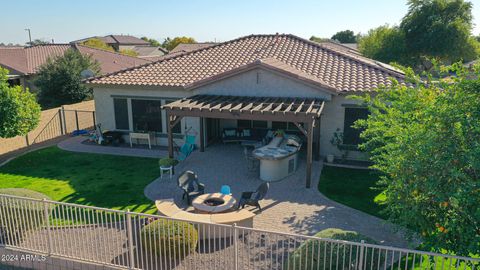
(280, 133)
(167, 162)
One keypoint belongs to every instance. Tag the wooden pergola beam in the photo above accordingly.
(298, 111)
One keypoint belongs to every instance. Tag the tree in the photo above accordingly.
(19, 111)
(385, 44)
(59, 79)
(169, 44)
(346, 36)
(441, 29)
(425, 139)
(128, 52)
(98, 44)
(153, 42)
(38, 42)
(319, 39)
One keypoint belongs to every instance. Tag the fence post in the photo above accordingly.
(47, 220)
(94, 121)
(64, 118)
(60, 120)
(235, 247)
(76, 119)
(360, 262)
(26, 140)
(130, 238)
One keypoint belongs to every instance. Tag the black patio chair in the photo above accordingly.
(252, 198)
(192, 188)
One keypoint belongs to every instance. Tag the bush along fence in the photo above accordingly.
(54, 123)
(123, 239)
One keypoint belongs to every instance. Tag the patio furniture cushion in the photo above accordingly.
(230, 132)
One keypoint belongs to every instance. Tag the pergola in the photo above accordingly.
(303, 112)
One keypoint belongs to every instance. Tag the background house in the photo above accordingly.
(273, 66)
(188, 47)
(24, 62)
(128, 42)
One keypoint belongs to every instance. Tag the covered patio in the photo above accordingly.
(303, 112)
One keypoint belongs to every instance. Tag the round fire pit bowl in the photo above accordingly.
(213, 203)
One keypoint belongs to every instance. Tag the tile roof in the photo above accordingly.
(116, 39)
(149, 51)
(27, 60)
(112, 61)
(188, 47)
(128, 40)
(339, 70)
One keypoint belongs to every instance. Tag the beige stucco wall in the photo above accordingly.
(332, 118)
(261, 82)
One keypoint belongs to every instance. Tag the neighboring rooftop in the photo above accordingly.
(353, 46)
(149, 51)
(336, 68)
(117, 39)
(188, 47)
(27, 60)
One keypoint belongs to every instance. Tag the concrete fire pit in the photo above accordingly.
(213, 203)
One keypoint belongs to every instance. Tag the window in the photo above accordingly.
(120, 109)
(251, 124)
(147, 115)
(279, 125)
(292, 127)
(351, 136)
(244, 123)
(260, 124)
(177, 128)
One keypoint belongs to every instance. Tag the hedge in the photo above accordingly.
(315, 255)
(174, 239)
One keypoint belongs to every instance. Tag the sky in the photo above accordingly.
(207, 20)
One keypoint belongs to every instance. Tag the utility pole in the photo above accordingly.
(29, 35)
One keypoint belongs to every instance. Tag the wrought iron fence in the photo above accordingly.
(64, 122)
(131, 240)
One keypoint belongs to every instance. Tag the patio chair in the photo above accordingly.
(252, 162)
(188, 182)
(252, 198)
(187, 148)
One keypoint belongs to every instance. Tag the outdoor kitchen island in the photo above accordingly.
(279, 158)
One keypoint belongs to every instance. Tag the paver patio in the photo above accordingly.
(288, 207)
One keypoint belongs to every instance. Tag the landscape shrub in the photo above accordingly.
(20, 216)
(173, 239)
(315, 255)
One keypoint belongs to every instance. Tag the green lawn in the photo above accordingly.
(90, 179)
(352, 187)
